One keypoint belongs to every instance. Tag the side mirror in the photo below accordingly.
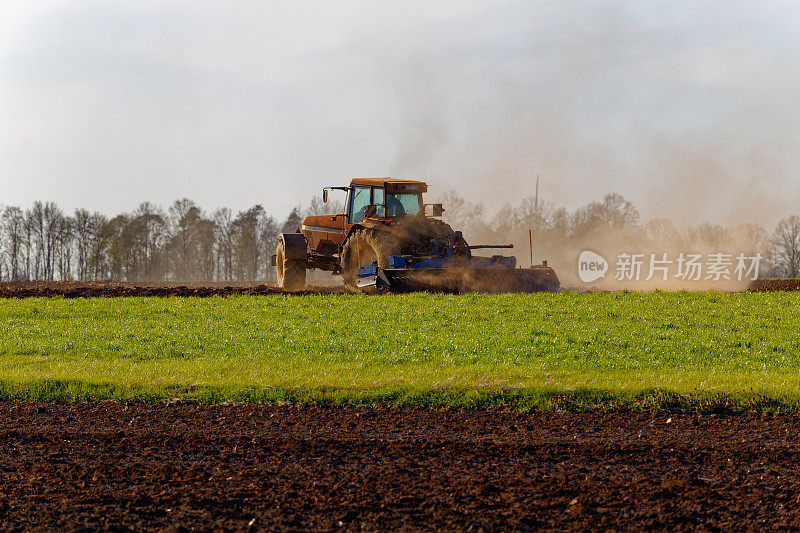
(325, 195)
(370, 211)
(437, 210)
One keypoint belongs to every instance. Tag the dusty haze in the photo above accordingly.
(688, 111)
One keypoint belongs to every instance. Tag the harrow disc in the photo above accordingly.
(485, 280)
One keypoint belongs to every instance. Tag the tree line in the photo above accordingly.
(181, 243)
(613, 224)
(184, 243)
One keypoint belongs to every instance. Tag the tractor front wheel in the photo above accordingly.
(364, 246)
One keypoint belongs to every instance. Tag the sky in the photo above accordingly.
(688, 109)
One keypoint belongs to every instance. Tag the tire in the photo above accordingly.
(368, 245)
(291, 272)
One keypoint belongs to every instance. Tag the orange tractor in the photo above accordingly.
(386, 239)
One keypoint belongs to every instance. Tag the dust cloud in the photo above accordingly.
(697, 130)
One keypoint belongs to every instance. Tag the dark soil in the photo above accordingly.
(139, 466)
(762, 285)
(86, 289)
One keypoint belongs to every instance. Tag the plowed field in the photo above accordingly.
(86, 289)
(135, 466)
(761, 285)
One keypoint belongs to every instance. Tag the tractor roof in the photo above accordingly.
(391, 183)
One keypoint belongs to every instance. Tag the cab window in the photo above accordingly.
(358, 204)
(379, 200)
(403, 204)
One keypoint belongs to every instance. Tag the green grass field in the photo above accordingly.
(549, 351)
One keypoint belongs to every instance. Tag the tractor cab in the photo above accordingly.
(382, 198)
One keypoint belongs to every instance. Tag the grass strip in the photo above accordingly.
(566, 351)
(522, 400)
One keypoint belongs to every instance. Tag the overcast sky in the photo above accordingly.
(689, 109)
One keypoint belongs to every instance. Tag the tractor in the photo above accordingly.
(388, 238)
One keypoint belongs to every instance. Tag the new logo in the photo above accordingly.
(591, 266)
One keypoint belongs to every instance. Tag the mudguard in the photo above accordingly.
(412, 230)
(294, 246)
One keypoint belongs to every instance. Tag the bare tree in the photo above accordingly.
(268, 236)
(204, 267)
(750, 238)
(534, 214)
(28, 227)
(503, 222)
(45, 221)
(460, 213)
(317, 207)
(292, 222)
(13, 228)
(223, 226)
(711, 237)
(35, 220)
(118, 247)
(246, 243)
(785, 247)
(661, 234)
(614, 214)
(81, 222)
(54, 227)
(149, 228)
(560, 223)
(63, 236)
(98, 241)
(184, 216)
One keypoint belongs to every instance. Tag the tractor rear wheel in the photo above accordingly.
(291, 272)
(364, 246)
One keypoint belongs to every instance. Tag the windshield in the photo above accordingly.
(403, 204)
